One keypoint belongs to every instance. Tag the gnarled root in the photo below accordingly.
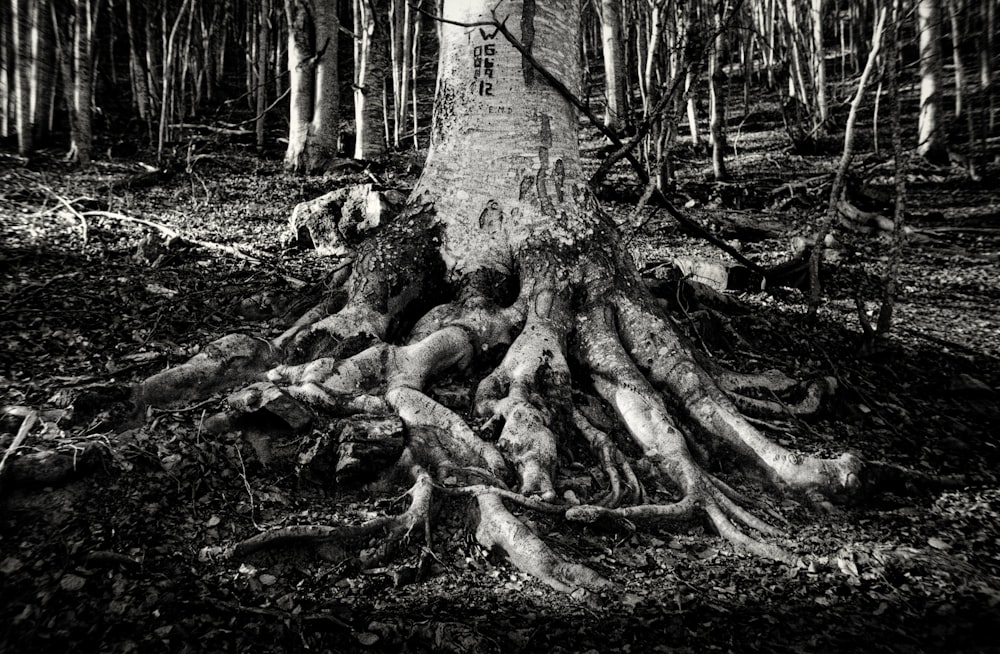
(391, 529)
(590, 367)
(641, 410)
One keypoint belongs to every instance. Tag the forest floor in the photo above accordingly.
(110, 558)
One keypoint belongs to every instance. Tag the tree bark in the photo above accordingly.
(930, 133)
(314, 104)
(263, 56)
(370, 69)
(7, 71)
(614, 66)
(43, 69)
(717, 100)
(21, 21)
(819, 63)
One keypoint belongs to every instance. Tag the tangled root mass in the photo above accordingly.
(573, 358)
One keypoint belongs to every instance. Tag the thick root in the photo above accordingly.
(643, 413)
(499, 530)
(590, 365)
(616, 466)
(744, 390)
(670, 365)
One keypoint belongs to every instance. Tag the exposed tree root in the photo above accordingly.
(589, 364)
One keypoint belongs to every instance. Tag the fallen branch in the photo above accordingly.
(30, 418)
(173, 234)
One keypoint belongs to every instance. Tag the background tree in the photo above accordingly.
(717, 96)
(931, 139)
(313, 127)
(21, 29)
(613, 57)
(371, 67)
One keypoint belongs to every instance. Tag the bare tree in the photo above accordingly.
(502, 259)
(931, 142)
(371, 66)
(614, 66)
(315, 98)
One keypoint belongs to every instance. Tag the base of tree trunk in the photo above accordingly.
(579, 360)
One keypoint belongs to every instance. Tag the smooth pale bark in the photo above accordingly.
(314, 85)
(414, 72)
(518, 179)
(956, 10)
(930, 133)
(614, 64)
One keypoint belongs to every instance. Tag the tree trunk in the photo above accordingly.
(7, 71)
(87, 13)
(987, 38)
(614, 67)
(930, 133)
(819, 63)
(263, 55)
(43, 70)
(717, 101)
(502, 260)
(168, 76)
(371, 66)
(137, 68)
(312, 64)
(21, 21)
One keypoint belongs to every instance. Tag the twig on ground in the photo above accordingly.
(30, 418)
(68, 204)
(172, 233)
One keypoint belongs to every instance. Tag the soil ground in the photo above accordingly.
(111, 558)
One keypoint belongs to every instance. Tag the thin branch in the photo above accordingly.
(837, 187)
(30, 418)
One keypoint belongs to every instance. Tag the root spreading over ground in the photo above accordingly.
(567, 357)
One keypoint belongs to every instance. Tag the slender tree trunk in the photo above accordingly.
(169, 73)
(397, 47)
(955, 10)
(717, 101)
(819, 63)
(43, 69)
(263, 55)
(930, 133)
(891, 278)
(987, 40)
(371, 68)
(21, 21)
(137, 68)
(614, 67)
(8, 70)
(415, 73)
